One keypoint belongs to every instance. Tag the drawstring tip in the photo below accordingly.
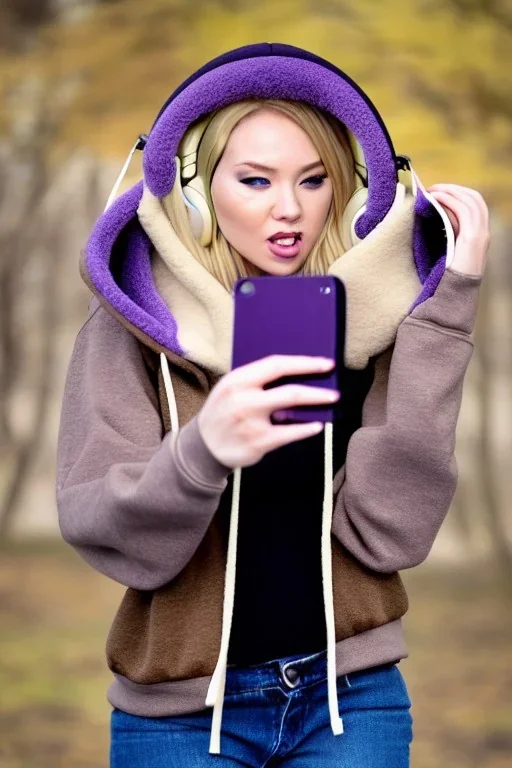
(337, 726)
(216, 726)
(215, 744)
(215, 699)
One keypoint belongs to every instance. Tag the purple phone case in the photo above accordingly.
(302, 315)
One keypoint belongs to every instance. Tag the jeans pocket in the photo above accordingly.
(384, 676)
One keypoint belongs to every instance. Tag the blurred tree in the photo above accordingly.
(473, 10)
(24, 182)
(438, 70)
(36, 210)
(30, 13)
(486, 459)
(19, 19)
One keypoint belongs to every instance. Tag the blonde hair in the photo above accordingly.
(330, 140)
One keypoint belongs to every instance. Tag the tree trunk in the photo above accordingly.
(29, 448)
(495, 523)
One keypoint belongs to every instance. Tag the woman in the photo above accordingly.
(284, 167)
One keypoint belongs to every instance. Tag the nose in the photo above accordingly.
(286, 205)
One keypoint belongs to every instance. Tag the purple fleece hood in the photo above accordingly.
(116, 260)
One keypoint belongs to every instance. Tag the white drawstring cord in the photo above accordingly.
(169, 391)
(215, 695)
(216, 689)
(336, 721)
(121, 176)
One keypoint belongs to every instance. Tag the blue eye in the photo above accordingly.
(260, 181)
(315, 181)
(251, 181)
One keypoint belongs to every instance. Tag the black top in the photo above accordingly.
(279, 607)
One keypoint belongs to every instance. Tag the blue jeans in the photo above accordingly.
(277, 717)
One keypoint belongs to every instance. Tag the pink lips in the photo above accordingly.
(285, 251)
(279, 235)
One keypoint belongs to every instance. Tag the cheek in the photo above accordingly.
(324, 206)
(223, 203)
(318, 211)
(235, 209)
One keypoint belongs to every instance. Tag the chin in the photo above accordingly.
(281, 269)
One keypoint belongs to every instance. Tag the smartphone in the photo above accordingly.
(299, 315)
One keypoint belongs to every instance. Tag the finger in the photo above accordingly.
(468, 215)
(453, 220)
(282, 435)
(451, 216)
(261, 372)
(473, 237)
(465, 192)
(460, 189)
(460, 196)
(290, 395)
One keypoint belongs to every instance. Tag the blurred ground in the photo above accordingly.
(55, 613)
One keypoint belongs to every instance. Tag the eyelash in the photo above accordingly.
(319, 177)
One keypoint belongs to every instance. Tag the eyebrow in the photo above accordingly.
(260, 167)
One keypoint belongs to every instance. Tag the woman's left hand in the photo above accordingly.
(469, 216)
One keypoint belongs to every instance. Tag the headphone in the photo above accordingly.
(191, 180)
(190, 177)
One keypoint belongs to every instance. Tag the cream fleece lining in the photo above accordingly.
(379, 274)
(202, 307)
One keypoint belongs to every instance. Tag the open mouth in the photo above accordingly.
(285, 245)
(286, 240)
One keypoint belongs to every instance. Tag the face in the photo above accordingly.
(271, 193)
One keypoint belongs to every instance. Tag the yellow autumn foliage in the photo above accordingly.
(439, 78)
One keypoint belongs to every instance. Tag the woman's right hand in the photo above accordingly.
(235, 421)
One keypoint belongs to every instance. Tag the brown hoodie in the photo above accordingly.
(139, 502)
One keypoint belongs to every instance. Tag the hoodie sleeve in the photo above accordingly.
(400, 476)
(135, 504)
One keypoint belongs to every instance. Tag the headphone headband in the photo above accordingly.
(281, 77)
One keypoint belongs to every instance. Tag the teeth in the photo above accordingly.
(285, 241)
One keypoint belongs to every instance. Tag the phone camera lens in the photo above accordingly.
(248, 288)
(325, 289)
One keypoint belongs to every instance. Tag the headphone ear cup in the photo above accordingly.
(199, 213)
(354, 209)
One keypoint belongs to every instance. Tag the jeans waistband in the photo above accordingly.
(294, 671)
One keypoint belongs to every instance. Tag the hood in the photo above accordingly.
(116, 261)
(384, 280)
